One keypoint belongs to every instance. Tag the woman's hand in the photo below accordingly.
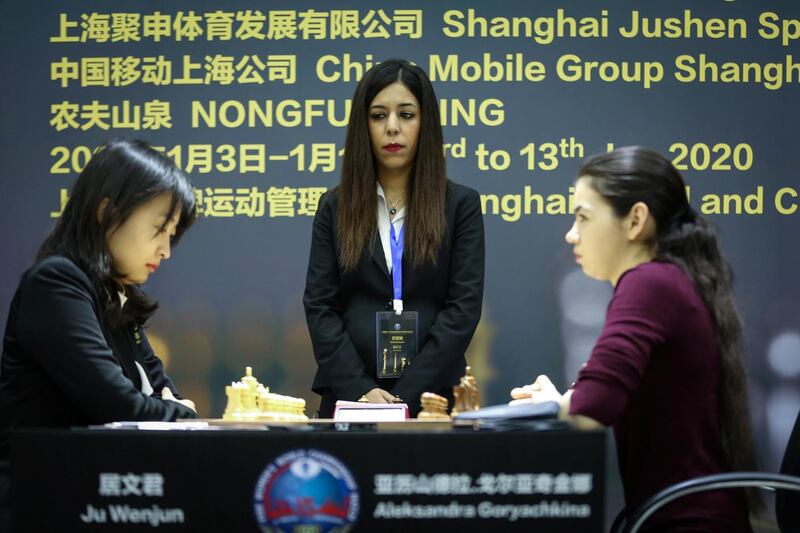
(378, 395)
(541, 390)
(166, 394)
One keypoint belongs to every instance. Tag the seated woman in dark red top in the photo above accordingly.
(666, 372)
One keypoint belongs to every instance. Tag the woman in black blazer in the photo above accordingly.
(394, 207)
(75, 352)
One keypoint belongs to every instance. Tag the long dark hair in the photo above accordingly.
(635, 174)
(357, 198)
(127, 174)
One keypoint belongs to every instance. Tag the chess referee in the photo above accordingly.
(74, 351)
(396, 247)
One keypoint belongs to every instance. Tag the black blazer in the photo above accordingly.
(340, 308)
(62, 367)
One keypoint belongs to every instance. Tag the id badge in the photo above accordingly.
(396, 341)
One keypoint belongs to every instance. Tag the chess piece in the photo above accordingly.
(434, 407)
(233, 410)
(249, 400)
(458, 400)
(467, 397)
(248, 384)
(279, 408)
(248, 378)
(473, 395)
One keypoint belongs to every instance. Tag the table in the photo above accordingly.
(308, 478)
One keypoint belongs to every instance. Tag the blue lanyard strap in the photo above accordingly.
(396, 244)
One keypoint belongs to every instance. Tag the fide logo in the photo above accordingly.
(306, 490)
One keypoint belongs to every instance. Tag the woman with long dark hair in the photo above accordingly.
(75, 352)
(395, 239)
(666, 372)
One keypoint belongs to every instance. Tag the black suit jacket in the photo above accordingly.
(62, 367)
(340, 308)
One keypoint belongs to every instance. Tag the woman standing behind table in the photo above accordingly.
(666, 372)
(396, 236)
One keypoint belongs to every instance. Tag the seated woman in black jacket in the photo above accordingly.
(74, 351)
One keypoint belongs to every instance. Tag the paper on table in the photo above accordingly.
(156, 426)
(370, 412)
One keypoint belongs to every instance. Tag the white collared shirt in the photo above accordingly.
(384, 219)
(147, 388)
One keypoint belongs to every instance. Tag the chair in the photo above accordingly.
(732, 480)
(787, 504)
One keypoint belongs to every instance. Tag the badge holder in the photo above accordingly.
(396, 342)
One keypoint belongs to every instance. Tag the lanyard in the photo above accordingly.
(396, 244)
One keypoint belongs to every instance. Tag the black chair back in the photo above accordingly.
(787, 504)
(732, 480)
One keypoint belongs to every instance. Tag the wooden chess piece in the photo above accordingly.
(473, 399)
(434, 407)
(467, 397)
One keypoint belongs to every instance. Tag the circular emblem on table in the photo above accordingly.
(306, 490)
